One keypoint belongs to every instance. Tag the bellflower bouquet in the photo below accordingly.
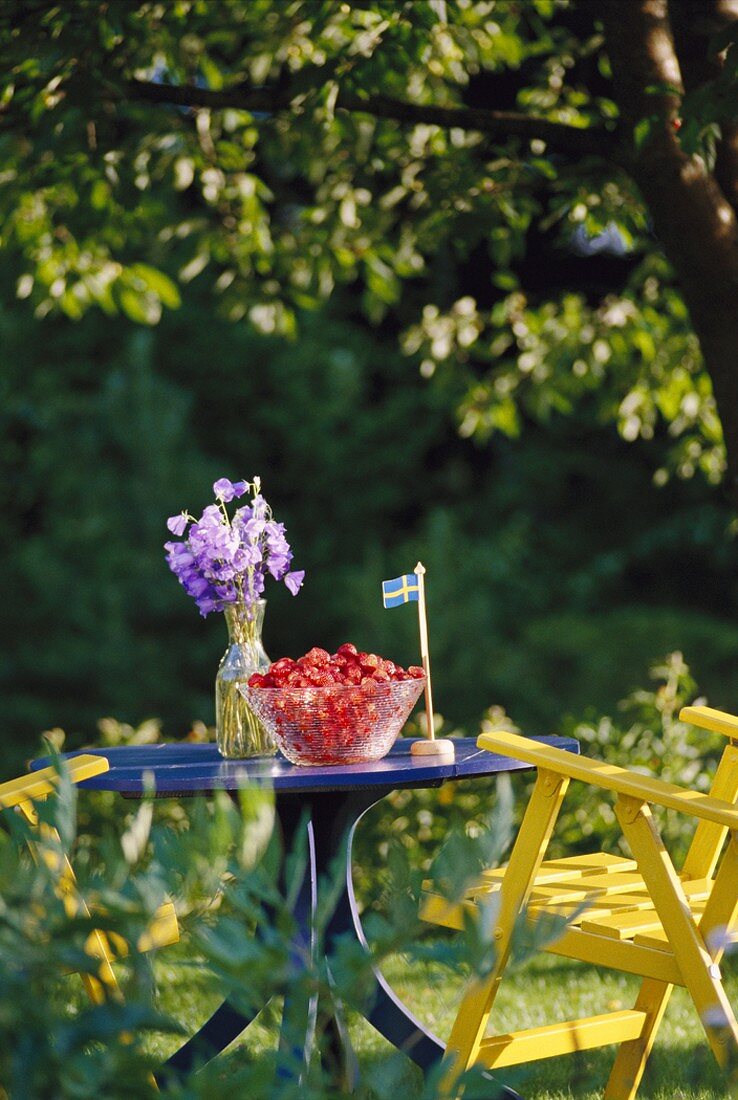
(225, 559)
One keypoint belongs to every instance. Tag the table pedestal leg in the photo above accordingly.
(228, 1022)
(331, 819)
(225, 1025)
(335, 820)
(300, 1011)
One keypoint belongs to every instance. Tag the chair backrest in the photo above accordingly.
(40, 784)
(709, 837)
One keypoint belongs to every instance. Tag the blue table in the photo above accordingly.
(332, 800)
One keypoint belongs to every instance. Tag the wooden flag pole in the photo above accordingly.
(432, 746)
(424, 654)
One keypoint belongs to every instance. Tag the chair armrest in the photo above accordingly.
(707, 718)
(623, 782)
(41, 784)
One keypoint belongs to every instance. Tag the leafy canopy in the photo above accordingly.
(278, 150)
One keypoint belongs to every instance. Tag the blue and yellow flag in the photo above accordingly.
(401, 590)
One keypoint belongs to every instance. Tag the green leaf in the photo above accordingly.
(505, 280)
(211, 72)
(642, 131)
(141, 308)
(160, 284)
(100, 194)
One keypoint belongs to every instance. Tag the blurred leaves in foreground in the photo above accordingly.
(233, 885)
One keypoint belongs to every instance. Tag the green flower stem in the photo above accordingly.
(240, 733)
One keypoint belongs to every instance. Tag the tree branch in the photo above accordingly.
(574, 140)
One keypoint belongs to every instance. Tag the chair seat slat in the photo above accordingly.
(586, 887)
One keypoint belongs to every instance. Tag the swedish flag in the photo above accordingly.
(401, 590)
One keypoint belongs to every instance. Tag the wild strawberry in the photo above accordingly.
(256, 680)
(317, 656)
(415, 672)
(284, 664)
(346, 650)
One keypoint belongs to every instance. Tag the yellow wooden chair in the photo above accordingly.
(636, 915)
(22, 794)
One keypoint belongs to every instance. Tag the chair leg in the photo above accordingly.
(720, 916)
(103, 985)
(632, 1056)
(700, 973)
(527, 855)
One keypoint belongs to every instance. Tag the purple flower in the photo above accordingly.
(275, 535)
(208, 604)
(294, 581)
(224, 490)
(224, 559)
(254, 586)
(278, 565)
(259, 506)
(178, 524)
(254, 527)
(250, 555)
(195, 586)
(211, 516)
(178, 553)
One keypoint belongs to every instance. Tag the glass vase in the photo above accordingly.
(239, 732)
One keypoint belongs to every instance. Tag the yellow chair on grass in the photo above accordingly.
(22, 794)
(635, 915)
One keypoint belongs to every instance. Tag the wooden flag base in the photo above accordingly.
(440, 747)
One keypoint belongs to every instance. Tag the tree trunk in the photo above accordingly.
(693, 219)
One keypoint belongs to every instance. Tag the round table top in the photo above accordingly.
(187, 768)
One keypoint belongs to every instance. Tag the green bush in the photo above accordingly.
(221, 866)
(645, 735)
(53, 1042)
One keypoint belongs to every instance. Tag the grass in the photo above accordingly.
(545, 990)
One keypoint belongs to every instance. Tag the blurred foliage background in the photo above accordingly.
(557, 569)
(429, 341)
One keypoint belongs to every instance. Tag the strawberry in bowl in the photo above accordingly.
(346, 707)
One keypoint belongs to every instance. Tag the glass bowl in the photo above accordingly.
(336, 724)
